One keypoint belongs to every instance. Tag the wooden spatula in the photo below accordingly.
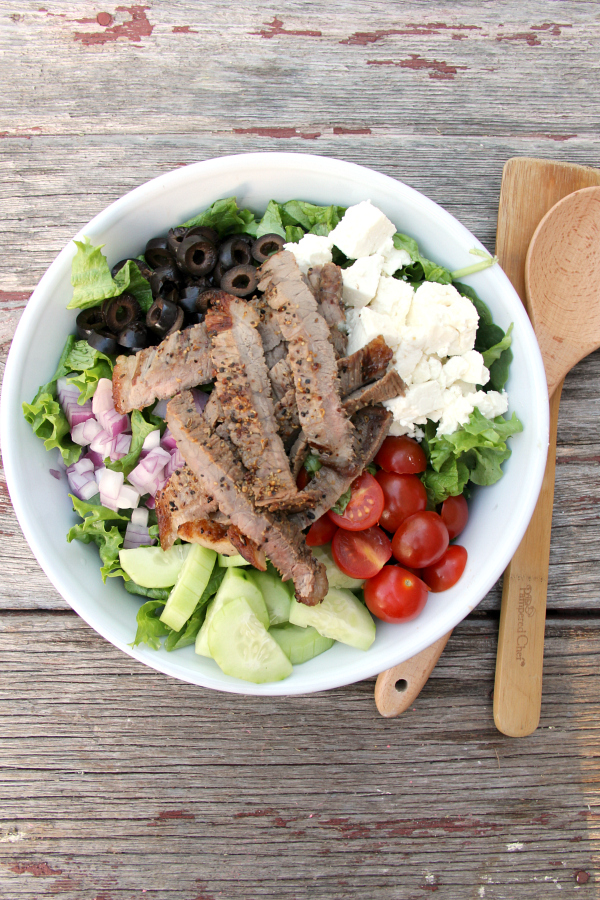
(530, 187)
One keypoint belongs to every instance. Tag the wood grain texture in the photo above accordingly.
(397, 688)
(290, 797)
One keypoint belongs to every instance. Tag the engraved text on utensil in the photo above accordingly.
(526, 608)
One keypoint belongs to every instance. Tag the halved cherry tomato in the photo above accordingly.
(403, 496)
(420, 540)
(401, 455)
(302, 479)
(320, 532)
(361, 554)
(455, 513)
(395, 594)
(444, 573)
(365, 506)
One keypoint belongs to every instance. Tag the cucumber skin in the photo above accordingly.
(231, 624)
(300, 644)
(184, 597)
(339, 616)
(232, 562)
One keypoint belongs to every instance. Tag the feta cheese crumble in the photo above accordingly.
(431, 331)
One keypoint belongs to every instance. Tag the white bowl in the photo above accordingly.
(499, 514)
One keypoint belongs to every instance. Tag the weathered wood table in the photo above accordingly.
(118, 782)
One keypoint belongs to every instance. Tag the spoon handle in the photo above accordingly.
(518, 685)
(398, 687)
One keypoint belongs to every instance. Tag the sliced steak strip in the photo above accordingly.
(281, 378)
(388, 387)
(181, 500)
(274, 345)
(181, 361)
(244, 391)
(207, 533)
(326, 284)
(247, 548)
(367, 364)
(312, 361)
(223, 477)
(372, 425)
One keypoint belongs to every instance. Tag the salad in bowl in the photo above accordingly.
(277, 421)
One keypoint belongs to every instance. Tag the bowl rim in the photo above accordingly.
(10, 406)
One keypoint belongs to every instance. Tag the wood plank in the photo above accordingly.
(116, 779)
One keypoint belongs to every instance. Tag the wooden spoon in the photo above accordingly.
(562, 282)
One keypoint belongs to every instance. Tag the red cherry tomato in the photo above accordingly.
(403, 496)
(455, 513)
(365, 506)
(402, 455)
(361, 554)
(302, 479)
(320, 532)
(395, 594)
(420, 540)
(444, 573)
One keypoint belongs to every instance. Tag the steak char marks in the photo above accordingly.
(179, 362)
(243, 389)
(326, 284)
(312, 361)
(223, 477)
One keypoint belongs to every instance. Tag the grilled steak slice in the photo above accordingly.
(372, 425)
(213, 412)
(207, 533)
(286, 414)
(281, 378)
(367, 364)
(212, 460)
(270, 333)
(312, 361)
(244, 391)
(181, 361)
(181, 500)
(247, 548)
(388, 387)
(326, 284)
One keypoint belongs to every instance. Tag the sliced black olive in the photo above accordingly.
(194, 318)
(265, 246)
(161, 316)
(242, 236)
(157, 252)
(204, 231)
(197, 255)
(239, 281)
(176, 326)
(103, 341)
(234, 252)
(175, 237)
(190, 301)
(119, 312)
(164, 279)
(217, 273)
(88, 320)
(134, 337)
(145, 270)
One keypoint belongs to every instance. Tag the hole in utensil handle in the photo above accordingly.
(401, 685)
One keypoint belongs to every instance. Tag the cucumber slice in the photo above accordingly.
(335, 576)
(339, 616)
(275, 593)
(241, 646)
(152, 567)
(229, 562)
(235, 584)
(300, 644)
(189, 587)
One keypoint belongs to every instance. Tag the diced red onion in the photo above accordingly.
(168, 442)
(150, 502)
(96, 458)
(82, 465)
(110, 484)
(176, 462)
(55, 474)
(113, 422)
(102, 444)
(85, 432)
(82, 484)
(99, 473)
(68, 395)
(160, 409)
(136, 536)
(140, 517)
(103, 396)
(200, 399)
(152, 440)
(128, 497)
(120, 446)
